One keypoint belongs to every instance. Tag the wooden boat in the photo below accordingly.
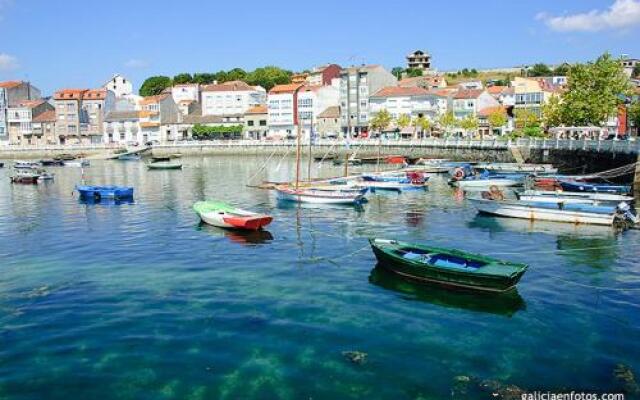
(224, 215)
(104, 192)
(447, 267)
(576, 186)
(129, 157)
(77, 163)
(571, 197)
(45, 176)
(393, 186)
(310, 195)
(160, 159)
(51, 163)
(554, 212)
(25, 175)
(164, 165)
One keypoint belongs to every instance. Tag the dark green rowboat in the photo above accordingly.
(447, 266)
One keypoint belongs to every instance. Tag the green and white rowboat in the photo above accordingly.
(164, 165)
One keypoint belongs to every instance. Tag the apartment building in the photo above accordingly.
(323, 75)
(413, 101)
(44, 128)
(419, 60)
(234, 97)
(123, 127)
(470, 102)
(357, 84)
(282, 110)
(119, 85)
(80, 114)
(160, 119)
(13, 92)
(313, 100)
(20, 118)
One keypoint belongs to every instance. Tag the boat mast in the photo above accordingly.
(310, 144)
(297, 115)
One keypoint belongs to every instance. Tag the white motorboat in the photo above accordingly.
(571, 197)
(77, 163)
(514, 167)
(558, 213)
(486, 182)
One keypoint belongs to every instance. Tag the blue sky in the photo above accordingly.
(81, 43)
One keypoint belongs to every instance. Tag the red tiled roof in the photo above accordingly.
(415, 81)
(47, 116)
(485, 112)
(257, 110)
(288, 88)
(330, 112)
(10, 84)
(231, 86)
(95, 94)
(468, 93)
(30, 103)
(496, 89)
(153, 99)
(69, 94)
(391, 91)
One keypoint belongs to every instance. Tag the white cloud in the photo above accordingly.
(622, 14)
(8, 62)
(136, 63)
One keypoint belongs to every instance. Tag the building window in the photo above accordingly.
(250, 123)
(263, 122)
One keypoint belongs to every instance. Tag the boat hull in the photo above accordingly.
(530, 212)
(225, 216)
(450, 278)
(594, 188)
(485, 183)
(320, 197)
(572, 197)
(161, 166)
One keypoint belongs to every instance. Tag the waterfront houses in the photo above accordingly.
(469, 102)
(357, 84)
(20, 119)
(13, 92)
(44, 129)
(282, 110)
(313, 100)
(80, 114)
(413, 101)
(231, 98)
(160, 119)
(329, 122)
(123, 127)
(255, 122)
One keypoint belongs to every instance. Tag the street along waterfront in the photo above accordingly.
(139, 300)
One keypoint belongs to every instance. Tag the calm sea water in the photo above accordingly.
(140, 301)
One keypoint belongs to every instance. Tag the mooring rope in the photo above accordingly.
(264, 165)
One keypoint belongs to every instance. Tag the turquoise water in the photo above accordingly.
(140, 301)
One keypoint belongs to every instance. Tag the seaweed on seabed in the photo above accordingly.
(356, 357)
(465, 387)
(624, 375)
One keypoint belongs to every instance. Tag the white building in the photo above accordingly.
(281, 110)
(188, 92)
(413, 101)
(470, 102)
(123, 127)
(119, 85)
(312, 101)
(231, 98)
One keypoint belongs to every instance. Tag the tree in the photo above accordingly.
(268, 77)
(422, 123)
(593, 92)
(413, 72)
(203, 78)
(154, 85)
(381, 120)
(236, 74)
(469, 123)
(539, 69)
(447, 121)
(497, 118)
(634, 114)
(525, 118)
(552, 112)
(182, 78)
(403, 121)
(561, 70)
(397, 72)
(636, 71)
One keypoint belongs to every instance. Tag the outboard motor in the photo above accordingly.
(626, 215)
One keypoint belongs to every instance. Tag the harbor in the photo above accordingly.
(147, 300)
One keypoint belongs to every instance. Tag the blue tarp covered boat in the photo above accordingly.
(105, 192)
(575, 186)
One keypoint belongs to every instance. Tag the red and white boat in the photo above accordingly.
(224, 215)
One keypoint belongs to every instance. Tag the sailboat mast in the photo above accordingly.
(310, 144)
(298, 153)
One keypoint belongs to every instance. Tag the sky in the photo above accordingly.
(81, 43)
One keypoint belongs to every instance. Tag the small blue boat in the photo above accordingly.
(575, 186)
(105, 192)
(129, 157)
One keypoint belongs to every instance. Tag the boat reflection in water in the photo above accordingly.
(506, 304)
(237, 236)
(105, 201)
